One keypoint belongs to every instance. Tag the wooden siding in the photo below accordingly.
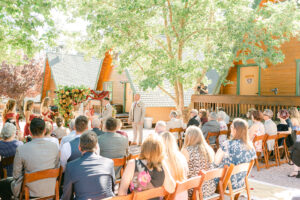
(232, 77)
(159, 113)
(106, 71)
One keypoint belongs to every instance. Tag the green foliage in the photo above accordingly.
(180, 40)
(25, 28)
(67, 97)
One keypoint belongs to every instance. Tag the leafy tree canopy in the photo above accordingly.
(26, 27)
(179, 40)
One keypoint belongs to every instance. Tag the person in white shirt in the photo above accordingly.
(69, 151)
(221, 115)
(270, 127)
(107, 110)
(175, 123)
(71, 135)
(160, 127)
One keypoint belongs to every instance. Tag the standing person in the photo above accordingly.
(202, 89)
(10, 113)
(60, 131)
(29, 116)
(45, 110)
(136, 117)
(91, 176)
(36, 155)
(107, 110)
(176, 161)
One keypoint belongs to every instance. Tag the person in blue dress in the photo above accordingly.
(236, 151)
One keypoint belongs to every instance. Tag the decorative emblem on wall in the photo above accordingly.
(249, 80)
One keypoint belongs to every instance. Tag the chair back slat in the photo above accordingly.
(271, 137)
(176, 130)
(124, 197)
(260, 138)
(35, 176)
(119, 162)
(6, 161)
(149, 194)
(188, 184)
(240, 168)
(214, 173)
(133, 156)
(225, 132)
(298, 133)
(282, 135)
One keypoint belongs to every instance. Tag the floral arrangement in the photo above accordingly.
(67, 97)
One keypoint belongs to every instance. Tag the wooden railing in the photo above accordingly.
(237, 106)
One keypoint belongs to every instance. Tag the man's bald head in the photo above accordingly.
(137, 97)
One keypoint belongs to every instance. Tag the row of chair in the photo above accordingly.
(224, 186)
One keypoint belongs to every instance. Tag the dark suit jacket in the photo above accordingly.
(91, 177)
(97, 131)
(193, 121)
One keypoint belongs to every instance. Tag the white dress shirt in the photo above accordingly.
(67, 138)
(65, 153)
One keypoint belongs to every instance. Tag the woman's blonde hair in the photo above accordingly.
(175, 158)
(194, 137)
(153, 152)
(294, 113)
(28, 104)
(241, 128)
(11, 103)
(45, 103)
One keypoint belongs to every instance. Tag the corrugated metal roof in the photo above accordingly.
(156, 97)
(74, 70)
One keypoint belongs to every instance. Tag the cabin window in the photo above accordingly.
(108, 86)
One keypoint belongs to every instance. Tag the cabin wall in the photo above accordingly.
(281, 76)
(159, 113)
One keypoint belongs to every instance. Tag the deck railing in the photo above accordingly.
(238, 105)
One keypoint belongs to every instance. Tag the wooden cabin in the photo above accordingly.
(274, 87)
(61, 69)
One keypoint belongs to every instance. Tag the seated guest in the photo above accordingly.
(149, 170)
(175, 160)
(227, 118)
(283, 125)
(174, 123)
(270, 127)
(71, 135)
(96, 126)
(36, 155)
(69, 151)
(236, 151)
(249, 116)
(295, 120)
(60, 131)
(48, 136)
(193, 118)
(160, 127)
(257, 129)
(9, 144)
(221, 115)
(211, 126)
(200, 156)
(91, 176)
(119, 127)
(203, 116)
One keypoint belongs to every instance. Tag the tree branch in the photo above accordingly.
(167, 36)
(162, 89)
(171, 20)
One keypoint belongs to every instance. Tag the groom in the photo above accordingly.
(136, 117)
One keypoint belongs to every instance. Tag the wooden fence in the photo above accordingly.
(237, 106)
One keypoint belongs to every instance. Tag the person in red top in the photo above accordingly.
(29, 116)
(10, 113)
(45, 110)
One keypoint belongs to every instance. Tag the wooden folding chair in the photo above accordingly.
(5, 162)
(124, 197)
(234, 194)
(210, 175)
(179, 131)
(259, 155)
(191, 183)
(283, 147)
(213, 134)
(225, 132)
(149, 194)
(120, 162)
(35, 176)
(133, 156)
(268, 152)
